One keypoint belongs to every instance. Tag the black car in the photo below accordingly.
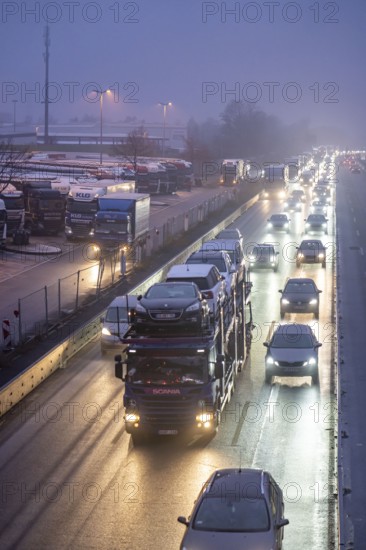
(311, 251)
(316, 223)
(300, 295)
(355, 170)
(236, 508)
(168, 305)
(279, 222)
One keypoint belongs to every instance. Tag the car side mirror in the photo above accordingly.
(139, 297)
(318, 345)
(280, 291)
(183, 520)
(282, 523)
(266, 344)
(118, 367)
(277, 253)
(319, 291)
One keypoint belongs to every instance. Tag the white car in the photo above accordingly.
(117, 321)
(221, 260)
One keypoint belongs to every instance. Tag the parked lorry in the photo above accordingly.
(154, 178)
(82, 205)
(180, 382)
(15, 209)
(44, 207)
(121, 219)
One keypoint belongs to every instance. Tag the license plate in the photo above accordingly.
(165, 316)
(167, 432)
(290, 369)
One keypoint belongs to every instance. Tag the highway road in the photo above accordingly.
(72, 479)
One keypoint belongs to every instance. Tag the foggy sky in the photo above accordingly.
(299, 60)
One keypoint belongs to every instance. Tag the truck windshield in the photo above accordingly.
(119, 227)
(81, 207)
(14, 203)
(167, 371)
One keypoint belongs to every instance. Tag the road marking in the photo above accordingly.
(361, 251)
(354, 219)
(274, 392)
(357, 232)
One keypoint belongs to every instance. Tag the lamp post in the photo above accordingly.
(15, 101)
(101, 93)
(164, 105)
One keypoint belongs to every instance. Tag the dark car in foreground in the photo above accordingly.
(236, 509)
(300, 295)
(292, 350)
(168, 305)
(311, 251)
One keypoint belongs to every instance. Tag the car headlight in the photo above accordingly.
(313, 301)
(324, 225)
(270, 224)
(140, 308)
(106, 331)
(285, 301)
(312, 361)
(269, 360)
(307, 225)
(321, 255)
(286, 224)
(193, 307)
(300, 255)
(286, 204)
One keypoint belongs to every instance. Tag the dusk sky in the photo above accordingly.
(299, 60)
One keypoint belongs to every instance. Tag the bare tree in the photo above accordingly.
(136, 145)
(11, 159)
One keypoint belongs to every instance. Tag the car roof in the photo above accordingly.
(316, 216)
(279, 216)
(294, 328)
(222, 244)
(207, 253)
(190, 270)
(300, 280)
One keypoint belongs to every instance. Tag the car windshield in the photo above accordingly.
(116, 314)
(201, 282)
(316, 218)
(229, 514)
(291, 340)
(163, 370)
(228, 234)
(306, 245)
(171, 291)
(299, 287)
(279, 217)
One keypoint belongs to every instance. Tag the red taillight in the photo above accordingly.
(208, 294)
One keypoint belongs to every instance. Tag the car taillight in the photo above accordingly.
(208, 295)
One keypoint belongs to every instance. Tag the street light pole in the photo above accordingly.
(164, 105)
(101, 92)
(15, 101)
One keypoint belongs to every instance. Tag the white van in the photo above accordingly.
(117, 321)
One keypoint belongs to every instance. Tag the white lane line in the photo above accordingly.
(357, 233)
(354, 219)
(361, 251)
(274, 393)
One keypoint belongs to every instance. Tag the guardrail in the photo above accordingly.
(24, 383)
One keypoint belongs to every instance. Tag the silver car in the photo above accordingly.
(292, 350)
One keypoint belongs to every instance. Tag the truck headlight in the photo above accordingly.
(204, 417)
(106, 331)
(132, 417)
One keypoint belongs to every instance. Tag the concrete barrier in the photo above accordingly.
(24, 383)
